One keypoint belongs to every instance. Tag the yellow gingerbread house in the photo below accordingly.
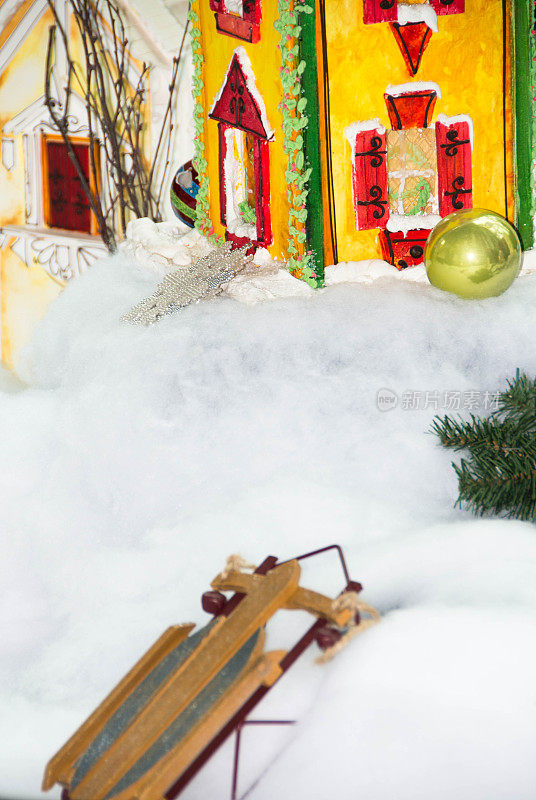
(338, 130)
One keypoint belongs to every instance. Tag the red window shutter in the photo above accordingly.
(80, 209)
(448, 6)
(68, 206)
(379, 11)
(453, 142)
(252, 11)
(58, 184)
(369, 179)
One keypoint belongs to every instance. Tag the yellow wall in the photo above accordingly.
(464, 59)
(25, 293)
(218, 50)
(21, 83)
(25, 296)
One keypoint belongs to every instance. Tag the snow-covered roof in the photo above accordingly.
(249, 75)
(409, 14)
(412, 86)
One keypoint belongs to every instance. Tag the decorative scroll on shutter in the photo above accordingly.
(379, 11)
(453, 144)
(252, 11)
(448, 6)
(369, 179)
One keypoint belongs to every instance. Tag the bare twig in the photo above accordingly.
(116, 109)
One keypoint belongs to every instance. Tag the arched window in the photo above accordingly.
(244, 134)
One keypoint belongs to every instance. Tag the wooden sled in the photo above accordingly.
(191, 690)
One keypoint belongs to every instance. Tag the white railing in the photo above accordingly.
(63, 254)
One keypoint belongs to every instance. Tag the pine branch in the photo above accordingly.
(519, 400)
(499, 475)
(511, 494)
(490, 434)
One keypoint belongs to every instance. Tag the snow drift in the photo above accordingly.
(137, 459)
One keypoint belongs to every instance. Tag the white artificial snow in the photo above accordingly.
(243, 229)
(369, 270)
(163, 246)
(529, 262)
(249, 75)
(408, 14)
(137, 459)
(405, 222)
(234, 7)
(261, 256)
(252, 289)
(445, 120)
(413, 86)
(8, 381)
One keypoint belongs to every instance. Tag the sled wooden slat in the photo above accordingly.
(264, 672)
(59, 769)
(107, 765)
(194, 688)
(304, 599)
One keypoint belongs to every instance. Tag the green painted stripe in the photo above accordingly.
(523, 114)
(181, 206)
(314, 226)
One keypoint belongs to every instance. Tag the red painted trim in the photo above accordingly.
(262, 193)
(252, 11)
(448, 6)
(261, 168)
(216, 5)
(379, 11)
(412, 39)
(221, 171)
(369, 180)
(411, 110)
(404, 250)
(454, 167)
(231, 25)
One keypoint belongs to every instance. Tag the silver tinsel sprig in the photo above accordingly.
(204, 278)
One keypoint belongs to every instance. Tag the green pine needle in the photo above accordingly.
(499, 474)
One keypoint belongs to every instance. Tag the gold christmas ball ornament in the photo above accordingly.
(473, 253)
